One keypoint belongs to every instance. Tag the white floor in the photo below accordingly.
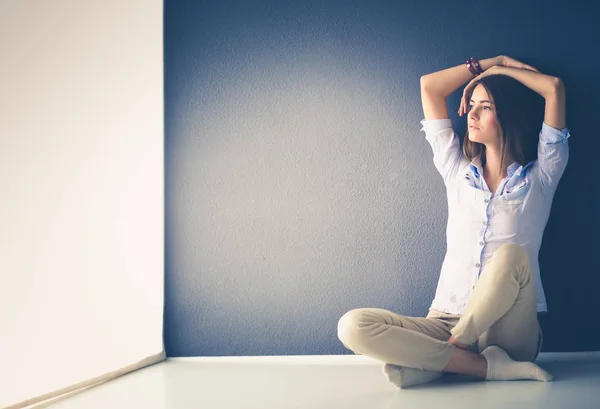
(329, 382)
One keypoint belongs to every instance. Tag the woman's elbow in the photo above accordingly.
(557, 86)
(424, 81)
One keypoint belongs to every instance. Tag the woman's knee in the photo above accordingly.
(512, 253)
(351, 327)
(515, 257)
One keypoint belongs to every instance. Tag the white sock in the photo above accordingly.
(500, 367)
(404, 377)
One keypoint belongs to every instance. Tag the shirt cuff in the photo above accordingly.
(550, 134)
(435, 125)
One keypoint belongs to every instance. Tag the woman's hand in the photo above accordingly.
(507, 61)
(504, 61)
(464, 104)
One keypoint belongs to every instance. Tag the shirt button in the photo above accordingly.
(487, 200)
(484, 223)
(477, 265)
(481, 243)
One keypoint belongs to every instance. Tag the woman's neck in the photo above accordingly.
(493, 164)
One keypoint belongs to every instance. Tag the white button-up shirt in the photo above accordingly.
(479, 222)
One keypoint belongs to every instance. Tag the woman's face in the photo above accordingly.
(482, 121)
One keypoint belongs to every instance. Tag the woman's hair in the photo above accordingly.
(519, 112)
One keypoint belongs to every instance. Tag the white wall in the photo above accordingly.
(81, 190)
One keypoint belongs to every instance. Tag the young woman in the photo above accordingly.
(483, 320)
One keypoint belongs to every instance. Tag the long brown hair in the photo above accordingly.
(519, 112)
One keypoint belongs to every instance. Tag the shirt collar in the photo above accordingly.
(475, 166)
(513, 169)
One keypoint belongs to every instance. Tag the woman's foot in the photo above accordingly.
(500, 367)
(404, 377)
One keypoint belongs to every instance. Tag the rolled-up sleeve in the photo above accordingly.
(553, 154)
(447, 155)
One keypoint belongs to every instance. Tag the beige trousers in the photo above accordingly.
(501, 311)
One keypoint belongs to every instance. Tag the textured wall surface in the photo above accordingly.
(299, 185)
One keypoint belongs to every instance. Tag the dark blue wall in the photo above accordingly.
(298, 185)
